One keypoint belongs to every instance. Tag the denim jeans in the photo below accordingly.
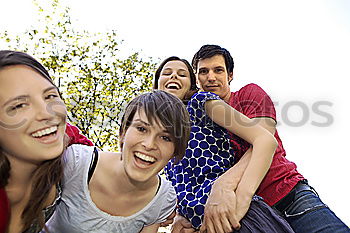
(308, 214)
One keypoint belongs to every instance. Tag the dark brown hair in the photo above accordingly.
(208, 51)
(163, 107)
(50, 172)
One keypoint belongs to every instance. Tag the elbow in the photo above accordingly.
(267, 141)
(273, 142)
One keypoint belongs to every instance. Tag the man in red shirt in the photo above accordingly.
(283, 187)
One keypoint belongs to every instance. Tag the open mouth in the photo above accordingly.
(45, 132)
(145, 159)
(173, 86)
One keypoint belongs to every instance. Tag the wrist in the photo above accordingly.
(245, 193)
(227, 182)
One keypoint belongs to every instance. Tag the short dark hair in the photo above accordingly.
(208, 51)
(174, 58)
(163, 107)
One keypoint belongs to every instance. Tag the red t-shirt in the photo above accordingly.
(252, 101)
(4, 210)
(75, 136)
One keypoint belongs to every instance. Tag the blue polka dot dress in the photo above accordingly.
(208, 155)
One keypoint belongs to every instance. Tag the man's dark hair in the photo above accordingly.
(208, 51)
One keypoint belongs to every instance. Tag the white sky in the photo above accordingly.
(296, 50)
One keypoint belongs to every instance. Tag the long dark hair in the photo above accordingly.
(50, 172)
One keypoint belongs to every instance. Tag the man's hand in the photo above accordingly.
(181, 225)
(220, 209)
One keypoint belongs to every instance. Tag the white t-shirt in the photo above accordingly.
(76, 213)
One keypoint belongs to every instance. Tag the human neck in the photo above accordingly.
(132, 186)
(19, 184)
(110, 171)
(21, 173)
(225, 96)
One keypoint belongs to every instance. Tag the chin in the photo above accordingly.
(56, 152)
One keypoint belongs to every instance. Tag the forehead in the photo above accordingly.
(214, 61)
(175, 65)
(148, 118)
(20, 80)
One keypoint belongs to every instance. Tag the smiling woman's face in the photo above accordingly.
(32, 116)
(175, 79)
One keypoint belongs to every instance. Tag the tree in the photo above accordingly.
(94, 79)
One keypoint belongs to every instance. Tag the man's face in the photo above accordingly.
(212, 76)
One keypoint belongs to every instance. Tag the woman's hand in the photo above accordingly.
(181, 225)
(169, 220)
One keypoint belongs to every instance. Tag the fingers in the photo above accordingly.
(184, 222)
(181, 225)
(169, 220)
(216, 224)
(234, 222)
(187, 230)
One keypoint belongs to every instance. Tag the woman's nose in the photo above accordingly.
(44, 111)
(149, 142)
(173, 76)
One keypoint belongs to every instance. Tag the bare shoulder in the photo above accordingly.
(109, 154)
(108, 160)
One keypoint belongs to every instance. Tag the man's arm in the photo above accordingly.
(244, 197)
(223, 212)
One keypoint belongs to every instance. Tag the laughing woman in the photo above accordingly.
(32, 133)
(122, 192)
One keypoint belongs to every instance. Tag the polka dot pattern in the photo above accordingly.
(208, 155)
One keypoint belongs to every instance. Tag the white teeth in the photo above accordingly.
(145, 157)
(173, 86)
(44, 132)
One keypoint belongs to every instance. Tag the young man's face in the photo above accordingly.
(212, 76)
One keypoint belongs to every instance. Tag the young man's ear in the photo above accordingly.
(230, 77)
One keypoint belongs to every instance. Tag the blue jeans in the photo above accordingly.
(306, 213)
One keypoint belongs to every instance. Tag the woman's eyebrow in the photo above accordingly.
(49, 89)
(20, 97)
(139, 120)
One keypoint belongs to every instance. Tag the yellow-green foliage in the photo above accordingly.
(92, 75)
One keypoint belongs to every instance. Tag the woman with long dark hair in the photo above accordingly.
(32, 138)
